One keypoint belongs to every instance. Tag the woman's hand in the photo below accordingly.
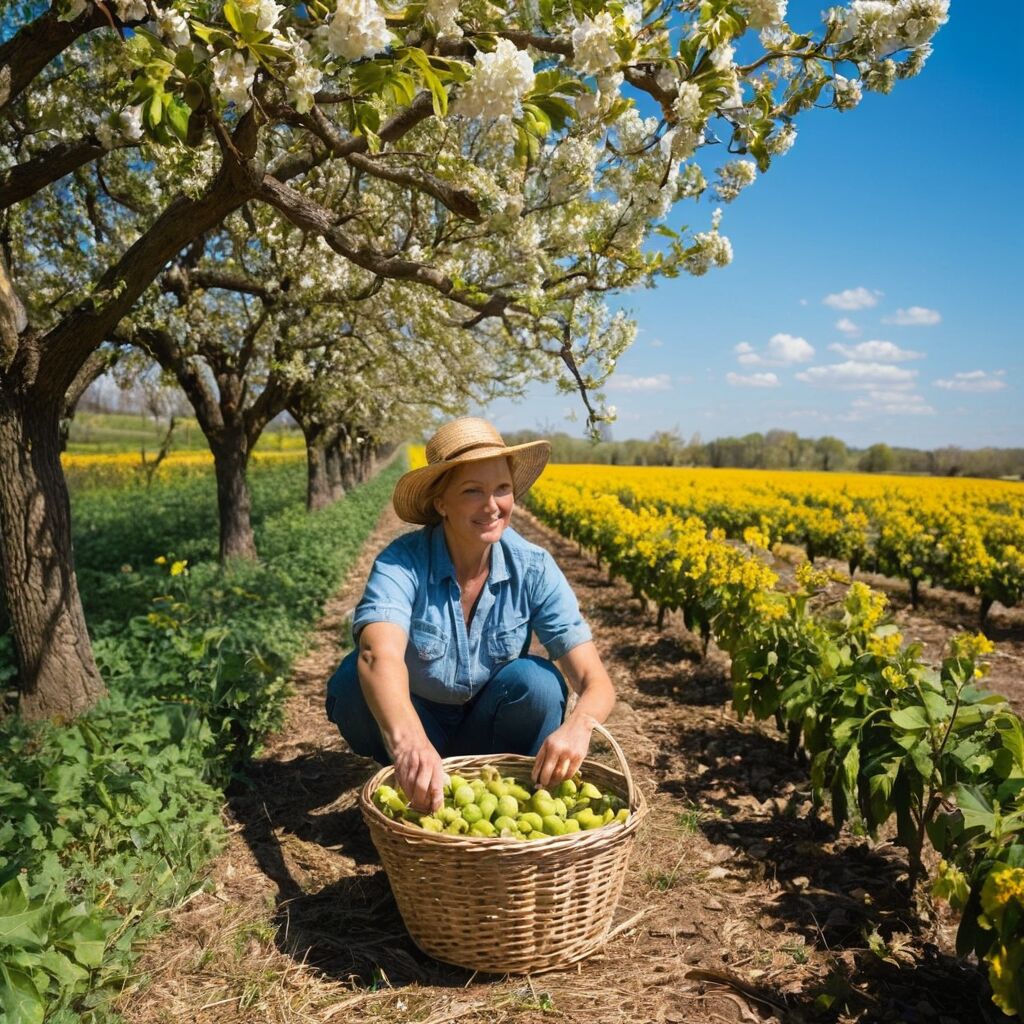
(562, 753)
(419, 772)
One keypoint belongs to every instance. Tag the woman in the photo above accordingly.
(444, 625)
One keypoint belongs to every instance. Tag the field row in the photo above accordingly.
(888, 737)
(965, 535)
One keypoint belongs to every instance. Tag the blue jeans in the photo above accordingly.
(521, 704)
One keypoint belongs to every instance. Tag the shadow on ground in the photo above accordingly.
(301, 820)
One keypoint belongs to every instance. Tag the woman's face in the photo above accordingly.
(477, 503)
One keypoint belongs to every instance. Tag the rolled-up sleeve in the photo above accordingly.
(555, 613)
(389, 595)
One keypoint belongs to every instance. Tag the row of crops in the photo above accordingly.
(966, 535)
(889, 738)
(106, 820)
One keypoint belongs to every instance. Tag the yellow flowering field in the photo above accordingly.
(966, 535)
(127, 468)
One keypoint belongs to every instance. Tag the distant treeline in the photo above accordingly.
(781, 449)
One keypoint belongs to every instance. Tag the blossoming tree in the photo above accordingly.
(580, 123)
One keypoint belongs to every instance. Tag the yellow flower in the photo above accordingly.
(160, 560)
(179, 567)
(886, 646)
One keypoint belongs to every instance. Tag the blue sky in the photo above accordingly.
(911, 202)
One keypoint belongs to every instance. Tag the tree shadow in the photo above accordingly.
(349, 929)
(843, 894)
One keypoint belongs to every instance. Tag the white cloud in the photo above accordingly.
(914, 316)
(853, 298)
(853, 375)
(656, 343)
(786, 348)
(974, 380)
(876, 351)
(781, 350)
(847, 326)
(753, 380)
(891, 403)
(627, 382)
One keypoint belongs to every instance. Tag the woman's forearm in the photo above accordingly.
(384, 679)
(595, 703)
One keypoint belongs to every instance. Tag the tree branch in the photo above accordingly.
(459, 201)
(311, 216)
(67, 345)
(24, 180)
(25, 54)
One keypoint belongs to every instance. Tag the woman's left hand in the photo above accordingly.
(562, 753)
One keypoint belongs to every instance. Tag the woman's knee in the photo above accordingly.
(534, 681)
(347, 709)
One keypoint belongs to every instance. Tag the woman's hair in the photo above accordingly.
(434, 490)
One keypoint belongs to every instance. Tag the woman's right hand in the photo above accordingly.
(419, 772)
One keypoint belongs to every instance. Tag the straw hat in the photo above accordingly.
(465, 440)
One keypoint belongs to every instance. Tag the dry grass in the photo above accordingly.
(739, 906)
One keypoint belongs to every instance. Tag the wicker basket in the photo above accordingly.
(503, 905)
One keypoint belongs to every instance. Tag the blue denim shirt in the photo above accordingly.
(413, 584)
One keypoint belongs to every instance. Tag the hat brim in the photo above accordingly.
(411, 492)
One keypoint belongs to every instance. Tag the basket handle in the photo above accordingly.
(630, 788)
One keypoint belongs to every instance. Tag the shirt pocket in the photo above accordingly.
(430, 642)
(508, 641)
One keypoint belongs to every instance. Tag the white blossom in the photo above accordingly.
(588, 104)
(126, 126)
(766, 12)
(781, 142)
(305, 81)
(878, 76)
(919, 20)
(267, 12)
(721, 56)
(710, 249)
(773, 37)
(233, 77)
(174, 27)
(592, 44)
(500, 81)
(679, 143)
(131, 10)
(848, 92)
(358, 29)
(442, 14)
(733, 178)
(687, 104)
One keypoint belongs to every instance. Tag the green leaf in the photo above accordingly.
(975, 808)
(20, 1000)
(936, 706)
(430, 80)
(909, 718)
(22, 922)
(232, 15)
(178, 114)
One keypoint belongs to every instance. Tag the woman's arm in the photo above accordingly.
(384, 680)
(564, 750)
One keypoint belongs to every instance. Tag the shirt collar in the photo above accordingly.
(442, 568)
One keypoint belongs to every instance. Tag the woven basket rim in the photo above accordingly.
(598, 836)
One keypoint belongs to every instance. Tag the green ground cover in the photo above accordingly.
(106, 821)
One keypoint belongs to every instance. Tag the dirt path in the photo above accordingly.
(750, 908)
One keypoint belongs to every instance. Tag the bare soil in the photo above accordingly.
(741, 905)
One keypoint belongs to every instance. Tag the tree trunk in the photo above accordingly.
(319, 493)
(335, 475)
(230, 461)
(58, 676)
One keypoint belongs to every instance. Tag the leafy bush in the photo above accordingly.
(108, 819)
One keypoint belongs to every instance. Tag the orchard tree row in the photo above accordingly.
(360, 212)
